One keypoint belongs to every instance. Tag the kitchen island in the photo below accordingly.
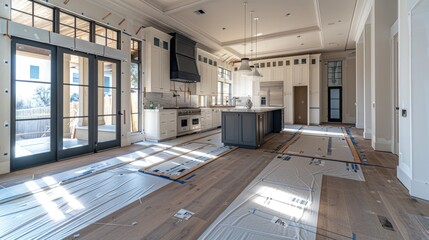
(248, 128)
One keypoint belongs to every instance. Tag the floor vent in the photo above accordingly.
(385, 223)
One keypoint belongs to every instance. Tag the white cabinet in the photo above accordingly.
(301, 71)
(157, 60)
(216, 117)
(160, 124)
(206, 119)
(207, 68)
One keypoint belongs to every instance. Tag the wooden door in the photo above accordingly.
(300, 105)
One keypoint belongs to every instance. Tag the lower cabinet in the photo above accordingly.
(160, 124)
(243, 129)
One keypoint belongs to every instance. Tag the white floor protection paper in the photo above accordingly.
(58, 211)
(282, 202)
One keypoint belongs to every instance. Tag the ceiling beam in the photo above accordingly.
(276, 35)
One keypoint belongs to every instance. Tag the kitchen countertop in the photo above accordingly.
(252, 110)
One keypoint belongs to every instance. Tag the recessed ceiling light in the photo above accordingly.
(299, 36)
(340, 21)
(223, 28)
(288, 14)
(200, 12)
(302, 44)
(331, 23)
(259, 34)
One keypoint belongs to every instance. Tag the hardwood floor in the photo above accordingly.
(346, 206)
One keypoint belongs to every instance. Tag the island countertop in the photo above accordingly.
(252, 110)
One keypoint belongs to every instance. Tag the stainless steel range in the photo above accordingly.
(189, 120)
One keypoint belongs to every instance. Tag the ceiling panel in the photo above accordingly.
(224, 19)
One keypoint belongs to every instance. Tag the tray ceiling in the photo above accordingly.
(286, 26)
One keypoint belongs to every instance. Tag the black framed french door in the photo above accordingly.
(107, 103)
(335, 111)
(34, 104)
(76, 103)
(63, 103)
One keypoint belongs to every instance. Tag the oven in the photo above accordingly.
(183, 124)
(195, 123)
(188, 120)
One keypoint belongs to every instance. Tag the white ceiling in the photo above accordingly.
(287, 26)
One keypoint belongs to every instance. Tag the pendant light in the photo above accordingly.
(245, 67)
(256, 66)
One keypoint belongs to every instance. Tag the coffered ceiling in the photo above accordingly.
(284, 26)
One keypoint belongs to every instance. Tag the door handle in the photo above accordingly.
(397, 108)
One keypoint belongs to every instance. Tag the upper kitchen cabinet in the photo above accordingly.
(301, 70)
(278, 70)
(157, 60)
(207, 67)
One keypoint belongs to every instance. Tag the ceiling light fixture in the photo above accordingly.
(255, 72)
(245, 67)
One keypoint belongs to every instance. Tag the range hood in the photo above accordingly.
(183, 66)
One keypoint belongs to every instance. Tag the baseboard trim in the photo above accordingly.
(403, 178)
(420, 189)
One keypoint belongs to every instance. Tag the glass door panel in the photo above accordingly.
(75, 125)
(32, 105)
(107, 104)
(335, 100)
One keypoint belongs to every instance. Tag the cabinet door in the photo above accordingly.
(165, 70)
(305, 74)
(296, 74)
(247, 129)
(214, 78)
(200, 85)
(155, 78)
(230, 131)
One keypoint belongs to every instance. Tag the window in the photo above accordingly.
(106, 36)
(165, 45)
(74, 27)
(223, 93)
(34, 72)
(135, 85)
(224, 73)
(33, 14)
(335, 74)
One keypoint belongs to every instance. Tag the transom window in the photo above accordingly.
(32, 14)
(106, 36)
(74, 27)
(335, 74)
(224, 73)
(40, 16)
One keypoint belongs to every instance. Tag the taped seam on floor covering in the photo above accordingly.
(187, 163)
(282, 202)
(54, 211)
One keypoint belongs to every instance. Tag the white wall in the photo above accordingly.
(349, 84)
(360, 84)
(367, 130)
(384, 15)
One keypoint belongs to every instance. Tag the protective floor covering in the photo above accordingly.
(19, 190)
(184, 164)
(321, 142)
(57, 206)
(63, 210)
(282, 202)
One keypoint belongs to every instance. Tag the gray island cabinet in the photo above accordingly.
(248, 128)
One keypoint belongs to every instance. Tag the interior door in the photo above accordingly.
(107, 104)
(396, 94)
(33, 110)
(300, 105)
(75, 131)
(335, 104)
